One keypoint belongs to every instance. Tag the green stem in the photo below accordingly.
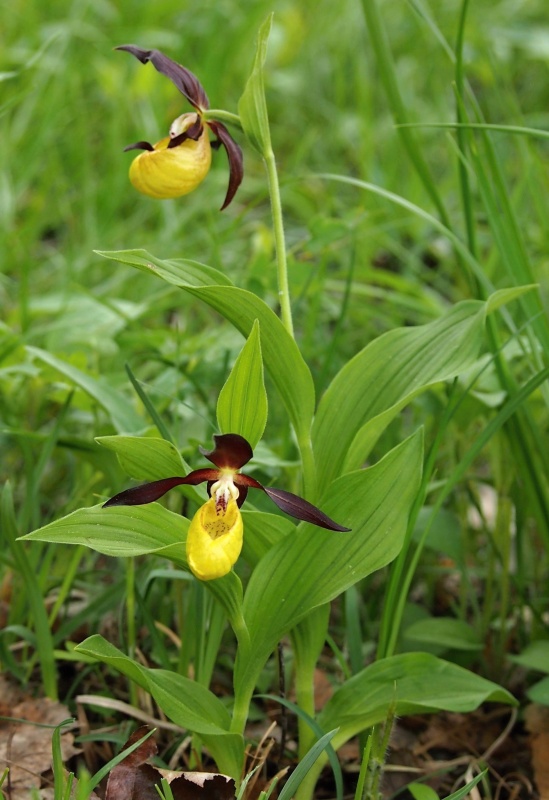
(280, 242)
(221, 115)
(308, 466)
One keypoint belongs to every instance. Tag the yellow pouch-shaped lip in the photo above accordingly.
(165, 173)
(214, 540)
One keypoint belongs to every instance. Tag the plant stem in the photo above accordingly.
(221, 115)
(280, 242)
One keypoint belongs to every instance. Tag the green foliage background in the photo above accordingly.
(359, 265)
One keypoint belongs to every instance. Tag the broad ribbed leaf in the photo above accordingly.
(412, 683)
(281, 355)
(121, 531)
(145, 458)
(262, 531)
(452, 634)
(125, 531)
(242, 402)
(118, 407)
(313, 566)
(252, 106)
(177, 271)
(371, 388)
(184, 701)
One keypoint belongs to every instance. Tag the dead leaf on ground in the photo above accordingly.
(26, 747)
(134, 779)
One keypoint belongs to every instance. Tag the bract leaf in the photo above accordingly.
(252, 106)
(145, 458)
(281, 355)
(242, 402)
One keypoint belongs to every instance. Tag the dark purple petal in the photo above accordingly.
(300, 509)
(194, 132)
(236, 162)
(139, 146)
(149, 492)
(231, 451)
(187, 83)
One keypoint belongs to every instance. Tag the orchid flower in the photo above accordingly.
(214, 538)
(178, 163)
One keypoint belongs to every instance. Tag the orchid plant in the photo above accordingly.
(292, 572)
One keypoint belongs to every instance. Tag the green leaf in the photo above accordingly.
(281, 355)
(295, 779)
(242, 403)
(145, 458)
(184, 701)
(539, 692)
(252, 106)
(121, 531)
(411, 683)
(177, 271)
(127, 531)
(261, 532)
(535, 656)
(371, 388)
(313, 566)
(123, 417)
(420, 791)
(446, 632)
(466, 790)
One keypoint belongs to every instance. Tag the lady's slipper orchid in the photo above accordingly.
(214, 539)
(176, 165)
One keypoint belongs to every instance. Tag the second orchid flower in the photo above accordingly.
(214, 538)
(178, 163)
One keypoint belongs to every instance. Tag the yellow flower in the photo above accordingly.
(214, 540)
(165, 172)
(177, 164)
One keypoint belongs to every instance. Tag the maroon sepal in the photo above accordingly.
(300, 509)
(236, 161)
(187, 83)
(149, 492)
(139, 146)
(292, 504)
(231, 451)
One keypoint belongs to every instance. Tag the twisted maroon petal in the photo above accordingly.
(293, 505)
(231, 451)
(194, 133)
(187, 83)
(236, 161)
(139, 146)
(149, 492)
